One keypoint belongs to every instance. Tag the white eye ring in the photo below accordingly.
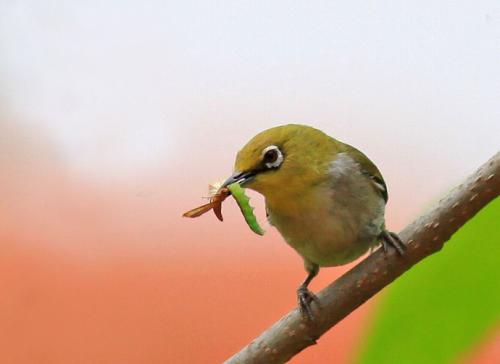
(275, 162)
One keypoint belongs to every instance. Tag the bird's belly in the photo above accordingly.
(329, 243)
(330, 235)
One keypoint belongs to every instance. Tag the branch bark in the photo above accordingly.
(423, 237)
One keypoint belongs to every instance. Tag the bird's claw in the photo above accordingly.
(305, 298)
(392, 239)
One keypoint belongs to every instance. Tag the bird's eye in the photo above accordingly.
(272, 156)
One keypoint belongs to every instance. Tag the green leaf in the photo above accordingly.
(445, 305)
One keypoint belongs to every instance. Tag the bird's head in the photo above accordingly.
(284, 160)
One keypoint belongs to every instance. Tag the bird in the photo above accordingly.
(326, 198)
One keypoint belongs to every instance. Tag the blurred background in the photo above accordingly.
(115, 116)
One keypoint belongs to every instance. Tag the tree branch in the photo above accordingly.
(425, 236)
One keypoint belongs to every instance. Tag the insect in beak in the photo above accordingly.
(220, 194)
(214, 204)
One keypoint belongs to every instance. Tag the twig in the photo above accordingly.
(423, 237)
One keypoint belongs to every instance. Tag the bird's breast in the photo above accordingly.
(328, 227)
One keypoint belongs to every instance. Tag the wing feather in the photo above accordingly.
(370, 170)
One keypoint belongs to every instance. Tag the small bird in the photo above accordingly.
(325, 197)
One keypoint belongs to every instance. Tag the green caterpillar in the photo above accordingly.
(243, 202)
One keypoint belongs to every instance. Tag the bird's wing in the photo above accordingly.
(370, 170)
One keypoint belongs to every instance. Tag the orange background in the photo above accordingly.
(109, 271)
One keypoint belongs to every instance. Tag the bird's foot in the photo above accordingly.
(305, 298)
(392, 239)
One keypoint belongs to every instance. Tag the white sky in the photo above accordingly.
(125, 84)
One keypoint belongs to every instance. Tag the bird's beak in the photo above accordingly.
(239, 177)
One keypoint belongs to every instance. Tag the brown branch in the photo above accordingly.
(424, 236)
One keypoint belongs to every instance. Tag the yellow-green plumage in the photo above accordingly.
(325, 197)
(315, 215)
